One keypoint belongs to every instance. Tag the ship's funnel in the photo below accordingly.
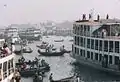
(98, 17)
(84, 16)
(107, 17)
(90, 16)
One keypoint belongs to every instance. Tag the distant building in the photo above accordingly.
(62, 32)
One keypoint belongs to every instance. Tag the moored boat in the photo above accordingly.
(96, 43)
(27, 62)
(17, 52)
(27, 50)
(29, 72)
(44, 45)
(51, 53)
(58, 40)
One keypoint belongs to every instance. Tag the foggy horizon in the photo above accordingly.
(35, 11)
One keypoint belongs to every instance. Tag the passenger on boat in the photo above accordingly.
(38, 78)
(24, 66)
(51, 78)
(17, 76)
(36, 60)
(62, 48)
(6, 50)
(43, 62)
(22, 59)
(32, 64)
(47, 49)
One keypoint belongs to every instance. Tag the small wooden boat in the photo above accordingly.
(58, 40)
(27, 51)
(17, 52)
(51, 53)
(66, 51)
(28, 63)
(31, 71)
(44, 45)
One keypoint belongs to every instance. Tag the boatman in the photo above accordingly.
(51, 78)
(22, 59)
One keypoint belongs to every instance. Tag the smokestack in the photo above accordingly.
(90, 16)
(84, 16)
(98, 17)
(107, 17)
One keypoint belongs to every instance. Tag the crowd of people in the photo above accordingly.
(5, 50)
(32, 64)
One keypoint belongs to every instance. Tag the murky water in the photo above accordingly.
(61, 66)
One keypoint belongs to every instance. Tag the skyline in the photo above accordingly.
(33, 11)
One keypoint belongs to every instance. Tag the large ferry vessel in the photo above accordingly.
(6, 66)
(97, 43)
(30, 34)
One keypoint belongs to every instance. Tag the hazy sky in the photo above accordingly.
(33, 11)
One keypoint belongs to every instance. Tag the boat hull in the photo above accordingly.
(58, 40)
(31, 72)
(97, 66)
(51, 54)
(27, 51)
(17, 52)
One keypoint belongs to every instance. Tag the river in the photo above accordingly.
(61, 67)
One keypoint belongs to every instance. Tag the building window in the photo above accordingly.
(92, 43)
(116, 46)
(9, 62)
(100, 57)
(81, 52)
(88, 43)
(92, 55)
(84, 53)
(75, 50)
(110, 46)
(100, 45)
(5, 69)
(81, 42)
(96, 44)
(88, 54)
(84, 42)
(96, 56)
(110, 59)
(116, 60)
(106, 46)
(75, 40)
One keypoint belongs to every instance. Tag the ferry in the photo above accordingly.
(30, 34)
(97, 43)
(7, 66)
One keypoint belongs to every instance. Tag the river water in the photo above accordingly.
(61, 67)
